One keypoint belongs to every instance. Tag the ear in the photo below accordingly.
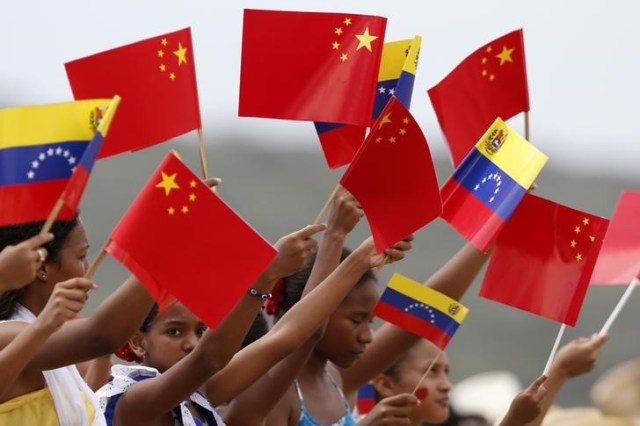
(137, 345)
(41, 273)
(385, 385)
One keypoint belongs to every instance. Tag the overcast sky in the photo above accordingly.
(582, 57)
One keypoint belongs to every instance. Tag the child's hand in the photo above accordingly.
(527, 405)
(66, 301)
(293, 252)
(578, 356)
(19, 264)
(345, 213)
(393, 410)
(392, 254)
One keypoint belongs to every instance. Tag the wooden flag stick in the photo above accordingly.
(203, 155)
(552, 355)
(426, 372)
(97, 261)
(526, 125)
(326, 205)
(52, 216)
(616, 311)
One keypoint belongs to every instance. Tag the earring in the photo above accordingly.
(43, 277)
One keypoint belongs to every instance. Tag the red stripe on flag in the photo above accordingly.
(31, 202)
(412, 324)
(468, 215)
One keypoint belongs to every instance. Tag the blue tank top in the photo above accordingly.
(306, 419)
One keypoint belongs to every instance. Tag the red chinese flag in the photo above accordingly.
(180, 237)
(393, 178)
(543, 259)
(619, 260)
(489, 83)
(156, 79)
(310, 66)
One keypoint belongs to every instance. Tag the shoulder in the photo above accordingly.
(123, 377)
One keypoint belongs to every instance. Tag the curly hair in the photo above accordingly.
(15, 234)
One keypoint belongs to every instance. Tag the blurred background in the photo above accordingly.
(582, 62)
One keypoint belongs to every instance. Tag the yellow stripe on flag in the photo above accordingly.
(393, 59)
(515, 156)
(411, 61)
(429, 296)
(61, 122)
(105, 123)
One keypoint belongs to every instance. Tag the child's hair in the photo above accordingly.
(258, 329)
(15, 234)
(293, 286)
(392, 372)
(125, 352)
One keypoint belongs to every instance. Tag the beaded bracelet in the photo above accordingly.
(255, 293)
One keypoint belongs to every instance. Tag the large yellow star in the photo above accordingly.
(505, 55)
(181, 53)
(168, 183)
(365, 40)
(385, 120)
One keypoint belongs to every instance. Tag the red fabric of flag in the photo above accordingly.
(393, 178)
(489, 83)
(619, 260)
(544, 258)
(180, 237)
(156, 79)
(310, 66)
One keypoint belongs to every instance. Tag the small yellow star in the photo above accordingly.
(592, 238)
(378, 139)
(402, 131)
(181, 53)
(347, 21)
(484, 60)
(163, 68)
(184, 209)
(160, 53)
(171, 211)
(492, 77)
(164, 42)
(392, 139)
(192, 184)
(405, 120)
(365, 39)
(484, 73)
(585, 221)
(168, 183)
(505, 55)
(172, 76)
(335, 45)
(489, 49)
(338, 31)
(577, 230)
(344, 57)
(579, 257)
(573, 243)
(192, 197)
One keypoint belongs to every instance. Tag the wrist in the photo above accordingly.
(335, 234)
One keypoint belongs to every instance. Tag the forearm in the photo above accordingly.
(16, 355)
(327, 259)
(456, 276)
(554, 383)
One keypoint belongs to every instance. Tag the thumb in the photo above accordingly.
(37, 240)
(538, 383)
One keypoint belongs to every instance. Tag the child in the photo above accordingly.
(339, 364)
(19, 263)
(49, 390)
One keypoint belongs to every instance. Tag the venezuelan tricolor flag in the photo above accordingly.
(397, 74)
(39, 148)
(420, 310)
(488, 185)
(366, 399)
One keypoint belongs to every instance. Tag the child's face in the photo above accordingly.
(349, 331)
(72, 257)
(433, 390)
(171, 337)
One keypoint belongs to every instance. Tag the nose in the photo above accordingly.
(444, 384)
(190, 341)
(365, 335)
